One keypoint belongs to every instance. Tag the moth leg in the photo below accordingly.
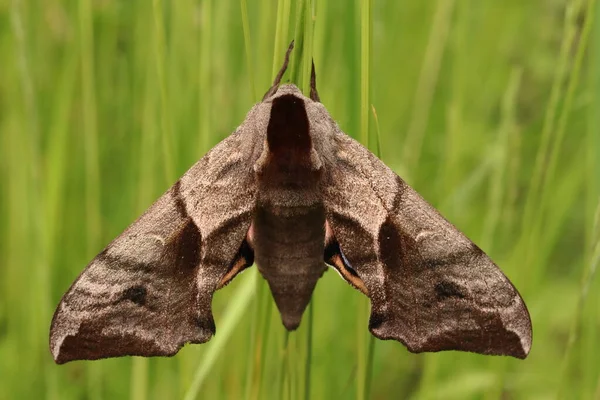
(277, 80)
(243, 259)
(314, 96)
(333, 256)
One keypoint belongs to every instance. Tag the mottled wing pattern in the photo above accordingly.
(149, 292)
(430, 287)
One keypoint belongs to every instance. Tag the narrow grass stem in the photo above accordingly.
(363, 346)
(231, 317)
(248, 47)
(160, 54)
(587, 278)
(427, 83)
(309, 346)
(91, 149)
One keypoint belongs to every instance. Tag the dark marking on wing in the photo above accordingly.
(375, 320)
(390, 245)
(334, 256)
(187, 246)
(246, 253)
(434, 263)
(116, 262)
(342, 163)
(203, 322)
(225, 170)
(466, 255)
(333, 250)
(477, 252)
(179, 203)
(135, 294)
(397, 203)
(447, 289)
(229, 226)
(88, 345)
(491, 338)
(242, 260)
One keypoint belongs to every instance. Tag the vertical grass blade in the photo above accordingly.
(160, 53)
(532, 209)
(307, 44)
(587, 279)
(427, 83)
(256, 339)
(92, 170)
(501, 153)
(299, 36)
(363, 368)
(205, 88)
(567, 108)
(231, 317)
(248, 47)
(283, 367)
(309, 346)
(281, 34)
(365, 69)
(368, 376)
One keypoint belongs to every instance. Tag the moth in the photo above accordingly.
(289, 192)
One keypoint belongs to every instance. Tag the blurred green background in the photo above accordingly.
(490, 109)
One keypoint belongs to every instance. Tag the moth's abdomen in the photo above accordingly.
(288, 243)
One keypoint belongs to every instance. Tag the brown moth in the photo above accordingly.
(289, 191)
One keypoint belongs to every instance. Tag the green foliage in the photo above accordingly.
(488, 108)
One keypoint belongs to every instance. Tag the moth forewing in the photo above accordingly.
(430, 287)
(150, 291)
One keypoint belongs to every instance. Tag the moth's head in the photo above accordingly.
(288, 142)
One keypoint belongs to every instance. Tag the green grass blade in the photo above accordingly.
(299, 36)
(587, 280)
(427, 83)
(160, 53)
(309, 346)
(231, 317)
(92, 169)
(248, 47)
(574, 79)
(363, 368)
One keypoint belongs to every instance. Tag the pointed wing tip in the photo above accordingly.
(521, 327)
(59, 359)
(521, 356)
(525, 347)
(55, 348)
(56, 354)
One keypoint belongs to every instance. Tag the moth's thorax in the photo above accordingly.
(289, 169)
(288, 156)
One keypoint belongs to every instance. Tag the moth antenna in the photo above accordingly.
(314, 95)
(277, 80)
